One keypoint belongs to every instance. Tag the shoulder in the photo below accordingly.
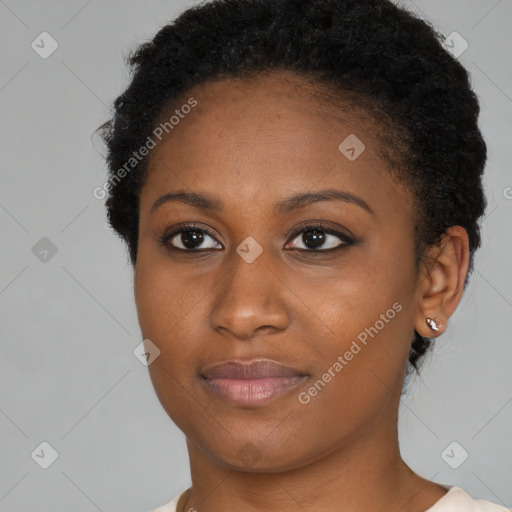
(458, 500)
(455, 500)
(171, 506)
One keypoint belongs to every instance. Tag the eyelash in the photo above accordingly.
(346, 241)
(324, 229)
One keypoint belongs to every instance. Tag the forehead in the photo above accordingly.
(278, 94)
(279, 109)
(268, 134)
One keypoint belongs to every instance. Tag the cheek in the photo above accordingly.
(369, 321)
(361, 298)
(360, 372)
(171, 310)
(163, 310)
(162, 299)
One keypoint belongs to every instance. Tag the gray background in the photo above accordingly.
(68, 326)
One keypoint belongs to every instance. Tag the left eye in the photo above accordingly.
(320, 238)
(190, 240)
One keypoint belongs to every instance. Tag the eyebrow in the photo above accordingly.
(295, 202)
(300, 200)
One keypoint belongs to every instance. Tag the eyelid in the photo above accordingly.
(320, 226)
(184, 227)
(313, 225)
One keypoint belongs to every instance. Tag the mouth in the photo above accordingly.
(249, 384)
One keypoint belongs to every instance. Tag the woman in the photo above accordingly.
(299, 186)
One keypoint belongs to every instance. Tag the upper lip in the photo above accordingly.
(254, 369)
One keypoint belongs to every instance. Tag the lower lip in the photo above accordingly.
(252, 392)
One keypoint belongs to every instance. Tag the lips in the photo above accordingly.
(256, 369)
(251, 383)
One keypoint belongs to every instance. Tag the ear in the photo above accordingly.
(441, 281)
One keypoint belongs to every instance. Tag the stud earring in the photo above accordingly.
(434, 324)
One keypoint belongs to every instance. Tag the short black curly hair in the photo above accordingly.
(380, 55)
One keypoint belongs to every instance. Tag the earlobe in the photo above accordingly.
(441, 288)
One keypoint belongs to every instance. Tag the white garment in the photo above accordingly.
(458, 500)
(455, 500)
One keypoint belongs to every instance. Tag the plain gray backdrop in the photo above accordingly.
(68, 324)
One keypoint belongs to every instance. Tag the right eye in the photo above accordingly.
(189, 238)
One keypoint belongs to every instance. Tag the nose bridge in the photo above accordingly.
(250, 294)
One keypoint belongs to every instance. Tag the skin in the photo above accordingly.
(251, 144)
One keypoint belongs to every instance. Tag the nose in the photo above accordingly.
(250, 298)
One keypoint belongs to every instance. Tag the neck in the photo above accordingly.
(365, 473)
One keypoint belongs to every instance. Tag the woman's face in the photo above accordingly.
(338, 308)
